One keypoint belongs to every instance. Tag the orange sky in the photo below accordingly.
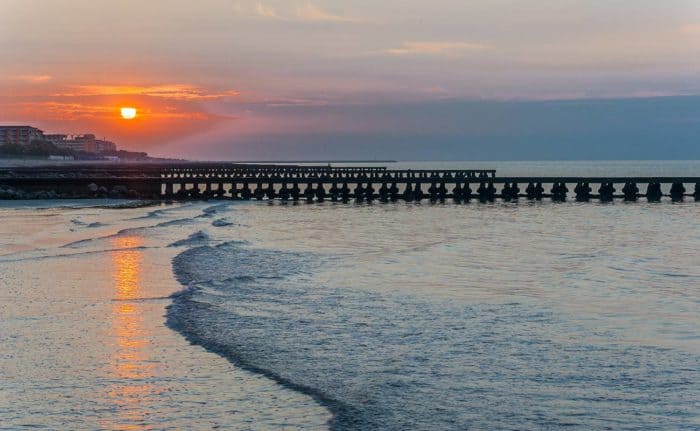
(164, 112)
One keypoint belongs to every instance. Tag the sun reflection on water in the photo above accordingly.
(131, 365)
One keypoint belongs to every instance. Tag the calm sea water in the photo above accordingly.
(423, 316)
(420, 316)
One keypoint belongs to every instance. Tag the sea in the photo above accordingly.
(357, 316)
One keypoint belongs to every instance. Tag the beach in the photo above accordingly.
(350, 216)
(351, 316)
(85, 345)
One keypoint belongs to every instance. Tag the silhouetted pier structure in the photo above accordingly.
(343, 184)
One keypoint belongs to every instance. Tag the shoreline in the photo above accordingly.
(177, 324)
(273, 301)
(113, 312)
(335, 407)
(262, 293)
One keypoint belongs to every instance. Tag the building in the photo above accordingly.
(19, 135)
(105, 146)
(55, 138)
(85, 143)
(23, 135)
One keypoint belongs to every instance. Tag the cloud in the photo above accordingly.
(310, 12)
(97, 102)
(67, 110)
(444, 48)
(73, 111)
(304, 12)
(173, 91)
(34, 79)
(292, 101)
(691, 29)
(267, 11)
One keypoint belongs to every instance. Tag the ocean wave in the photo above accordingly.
(493, 338)
(160, 212)
(210, 211)
(175, 222)
(51, 254)
(121, 232)
(221, 223)
(197, 238)
(390, 361)
(124, 232)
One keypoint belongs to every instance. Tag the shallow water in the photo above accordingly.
(83, 293)
(505, 316)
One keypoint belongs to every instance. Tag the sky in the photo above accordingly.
(329, 79)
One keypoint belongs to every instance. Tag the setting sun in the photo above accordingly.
(128, 113)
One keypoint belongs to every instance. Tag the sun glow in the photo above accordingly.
(128, 113)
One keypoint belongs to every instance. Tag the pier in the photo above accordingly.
(287, 182)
